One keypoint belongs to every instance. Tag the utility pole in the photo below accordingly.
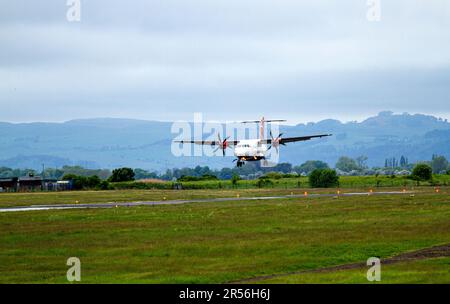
(43, 182)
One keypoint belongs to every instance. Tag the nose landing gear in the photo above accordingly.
(239, 163)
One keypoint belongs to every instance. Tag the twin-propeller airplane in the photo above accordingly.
(252, 149)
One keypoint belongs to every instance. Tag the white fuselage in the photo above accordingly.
(250, 149)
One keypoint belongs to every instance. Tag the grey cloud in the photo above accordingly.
(153, 59)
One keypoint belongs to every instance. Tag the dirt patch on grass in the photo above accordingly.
(426, 253)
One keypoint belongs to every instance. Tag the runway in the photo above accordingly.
(177, 202)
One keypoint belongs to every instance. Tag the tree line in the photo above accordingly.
(252, 170)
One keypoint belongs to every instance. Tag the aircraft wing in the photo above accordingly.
(207, 142)
(285, 140)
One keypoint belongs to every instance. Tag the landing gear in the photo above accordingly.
(239, 163)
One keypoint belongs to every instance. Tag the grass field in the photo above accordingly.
(223, 242)
(71, 197)
(429, 271)
(298, 182)
(211, 189)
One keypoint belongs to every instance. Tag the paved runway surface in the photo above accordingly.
(176, 202)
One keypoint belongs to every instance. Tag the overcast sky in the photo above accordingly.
(231, 59)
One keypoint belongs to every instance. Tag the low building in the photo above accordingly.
(30, 183)
(8, 184)
(33, 183)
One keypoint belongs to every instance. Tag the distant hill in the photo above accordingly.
(110, 143)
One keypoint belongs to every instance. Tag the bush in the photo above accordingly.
(290, 175)
(93, 182)
(274, 175)
(235, 179)
(83, 182)
(263, 182)
(104, 185)
(188, 178)
(422, 172)
(70, 176)
(122, 175)
(140, 185)
(323, 178)
(78, 182)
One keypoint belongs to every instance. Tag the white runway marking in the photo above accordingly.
(176, 202)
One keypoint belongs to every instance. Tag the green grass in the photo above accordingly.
(218, 242)
(301, 182)
(285, 186)
(430, 271)
(72, 197)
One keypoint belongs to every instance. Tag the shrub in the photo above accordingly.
(323, 178)
(422, 172)
(69, 176)
(290, 175)
(235, 179)
(122, 175)
(209, 177)
(83, 182)
(104, 185)
(274, 175)
(140, 185)
(78, 182)
(188, 178)
(93, 181)
(263, 182)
